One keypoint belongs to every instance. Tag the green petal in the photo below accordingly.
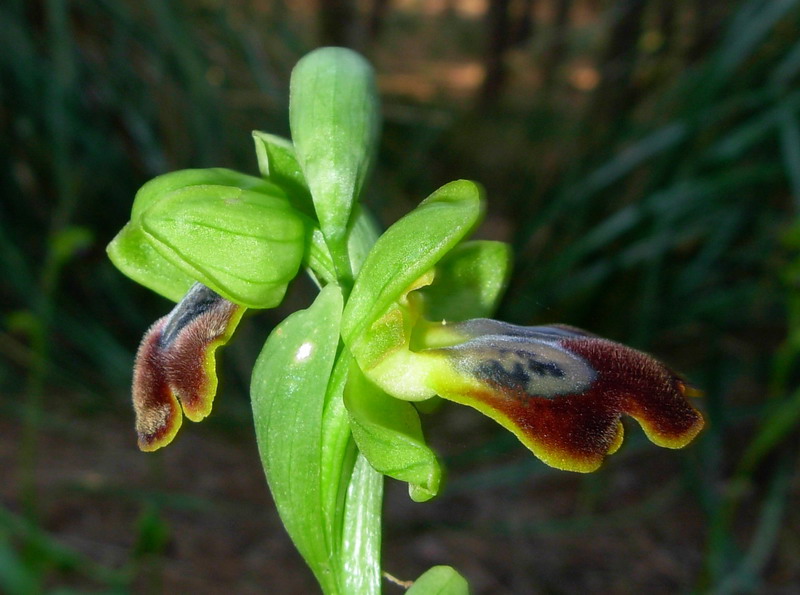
(389, 434)
(277, 162)
(469, 281)
(409, 248)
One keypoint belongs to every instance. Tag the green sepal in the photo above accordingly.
(134, 254)
(335, 120)
(168, 257)
(406, 251)
(244, 245)
(440, 580)
(160, 186)
(469, 282)
(289, 391)
(388, 433)
(277, 162)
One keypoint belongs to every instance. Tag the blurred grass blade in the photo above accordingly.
(746, 576)
(774, 428)
(790, 150)
(787, 68)
(754, 21)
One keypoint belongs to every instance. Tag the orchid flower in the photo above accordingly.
(400, 318)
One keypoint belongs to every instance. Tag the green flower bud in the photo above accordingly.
(245, 242)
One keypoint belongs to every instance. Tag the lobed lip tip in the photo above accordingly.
(146, 444)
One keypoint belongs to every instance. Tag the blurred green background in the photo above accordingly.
(643, 158)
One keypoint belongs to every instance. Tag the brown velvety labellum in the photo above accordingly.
(643, 388)
(158, 414)
(563, 391)
(201, 322)
(175, 365)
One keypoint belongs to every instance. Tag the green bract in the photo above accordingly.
(298, 426)
(334, 116)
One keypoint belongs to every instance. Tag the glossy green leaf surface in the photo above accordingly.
(288, 393)
(440, 580)
(469, 281)
(334, 117)
(389, 434)
(338, 451)
(409, 248)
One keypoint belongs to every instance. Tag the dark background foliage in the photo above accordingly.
(643, 158)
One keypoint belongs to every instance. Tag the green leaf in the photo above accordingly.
(334, 117)
(440, 580)
(408, 249)
(361, 536)
(244, 245)
(338, 450)
(389, 434)
(288, 391)
(469, 282)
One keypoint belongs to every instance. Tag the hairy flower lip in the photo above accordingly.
(158, 415)
(562, 391)
(175, 366)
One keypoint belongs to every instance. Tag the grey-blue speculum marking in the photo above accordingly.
(536, 367)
